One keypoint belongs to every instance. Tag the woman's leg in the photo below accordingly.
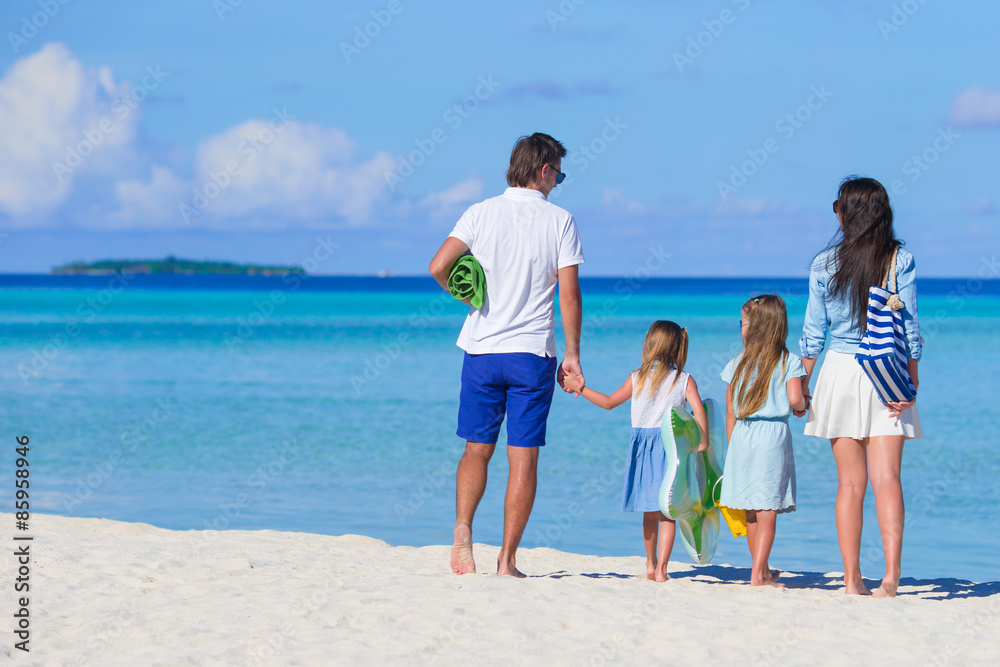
(664, 546)
(885, 457)
(763, 541)
(852, 482)
(650, 523)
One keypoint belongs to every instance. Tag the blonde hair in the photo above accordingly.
(763, 348)
(665, 349)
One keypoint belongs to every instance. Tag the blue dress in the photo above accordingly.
(647, 461)
(759, 473)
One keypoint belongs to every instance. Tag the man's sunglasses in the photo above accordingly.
(560, 177)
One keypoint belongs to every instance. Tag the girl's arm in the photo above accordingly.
(698, 410)
(795, 397)
(730, 416)
(621, 395)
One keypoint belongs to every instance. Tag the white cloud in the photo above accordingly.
(977, 107)
(457, 197)
(615, 198)
(52, 109)
(62, 120)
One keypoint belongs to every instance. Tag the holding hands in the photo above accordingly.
(570, 376)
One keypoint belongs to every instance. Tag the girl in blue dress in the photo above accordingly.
(763, 390)
(657, 386)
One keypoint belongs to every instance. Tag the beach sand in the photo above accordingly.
(111, 593)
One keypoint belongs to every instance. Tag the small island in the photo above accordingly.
(171, 265)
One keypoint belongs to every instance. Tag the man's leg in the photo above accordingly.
(521, 484)
(470, 484)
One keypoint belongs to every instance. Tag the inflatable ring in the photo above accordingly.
(690, 491)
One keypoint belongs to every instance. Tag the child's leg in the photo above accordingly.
(752, 532)
(664, 545)
(763, 541)
(772, 575)
(650, 523)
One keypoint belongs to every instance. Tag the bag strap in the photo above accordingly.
(889, 282)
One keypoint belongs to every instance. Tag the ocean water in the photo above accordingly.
(329, 406)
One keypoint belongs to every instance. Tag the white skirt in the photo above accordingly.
(845, 405)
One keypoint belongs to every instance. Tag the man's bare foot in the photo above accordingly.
(887, 589)
(508, 570)
(461, 551)
(856, 587)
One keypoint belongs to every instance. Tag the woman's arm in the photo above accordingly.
(906, 285)
(730, 417)
(698, 411)
(817, 319)
(620, 395)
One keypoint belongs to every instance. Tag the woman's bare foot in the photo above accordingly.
(765, 582)
(461, 551)
(660, 575)
(772, 575)
(856, 587)
(887, 589)
(651, 571)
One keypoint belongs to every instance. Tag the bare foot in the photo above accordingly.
(461, 551)
(856, 588)
(887, 589)
(766, 582)
(651, 571)
(509, 570)
(661, 574)
(772, 575)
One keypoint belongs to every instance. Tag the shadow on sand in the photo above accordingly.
(943, 589)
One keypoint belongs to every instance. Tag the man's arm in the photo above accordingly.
(446, 256)
(571, 310)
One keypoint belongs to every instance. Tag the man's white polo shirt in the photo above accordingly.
(521, 240)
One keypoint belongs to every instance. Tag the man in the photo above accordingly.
(526, 245)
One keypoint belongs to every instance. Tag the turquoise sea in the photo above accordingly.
(328, 405)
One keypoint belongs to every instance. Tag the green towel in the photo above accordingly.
(466, 281)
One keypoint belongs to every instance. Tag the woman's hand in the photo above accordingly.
(896, 408)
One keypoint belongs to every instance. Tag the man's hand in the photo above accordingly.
(570, 371)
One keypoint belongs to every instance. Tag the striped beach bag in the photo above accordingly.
(882, 353)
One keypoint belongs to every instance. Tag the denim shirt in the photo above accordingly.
(824, 311)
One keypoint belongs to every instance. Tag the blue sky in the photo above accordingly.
(714, 131)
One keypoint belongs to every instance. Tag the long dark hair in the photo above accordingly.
(863, 248)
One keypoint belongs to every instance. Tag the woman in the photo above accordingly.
(867, 435)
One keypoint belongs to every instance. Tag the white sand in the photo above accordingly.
(111, 593)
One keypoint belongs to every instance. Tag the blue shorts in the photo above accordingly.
(517, 384)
